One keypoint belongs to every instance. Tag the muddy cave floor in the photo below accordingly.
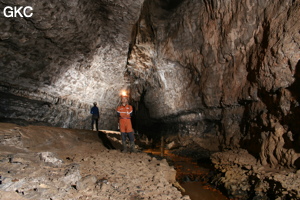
(40, 162)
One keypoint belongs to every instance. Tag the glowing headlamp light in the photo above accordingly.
(124, 93)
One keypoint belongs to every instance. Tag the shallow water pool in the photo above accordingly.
(190, 176)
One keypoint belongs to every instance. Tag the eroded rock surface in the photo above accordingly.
(223, 75)
(243, 177)
(67, 55)
(210, 68)
(40, 162)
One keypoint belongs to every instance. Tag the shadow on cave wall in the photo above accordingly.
(143, 123)
(24, 111)
(170, 4)
(292, 120)
(19, 110)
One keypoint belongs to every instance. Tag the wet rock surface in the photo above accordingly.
(40, 162)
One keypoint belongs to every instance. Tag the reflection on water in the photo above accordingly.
(196, 190)
(190, 175)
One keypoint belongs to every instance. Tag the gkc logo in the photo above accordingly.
(15, 11)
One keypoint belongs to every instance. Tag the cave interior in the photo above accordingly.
(220, 76)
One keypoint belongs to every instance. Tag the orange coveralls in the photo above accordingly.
(124, 120)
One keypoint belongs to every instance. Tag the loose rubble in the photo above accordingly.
(73, 164)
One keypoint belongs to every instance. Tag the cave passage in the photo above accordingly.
(220, 78)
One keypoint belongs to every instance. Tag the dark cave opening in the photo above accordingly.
(294, 115)
(170, 4)
(143, 123)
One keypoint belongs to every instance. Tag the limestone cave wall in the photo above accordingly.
(219, 74)
(68, 55)
(222, 74)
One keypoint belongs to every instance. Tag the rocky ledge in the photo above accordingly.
(243, 177)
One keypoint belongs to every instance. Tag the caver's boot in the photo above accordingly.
(124, 147)
(132, 147)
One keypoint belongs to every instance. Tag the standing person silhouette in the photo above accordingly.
(95, 116)
(125, 112)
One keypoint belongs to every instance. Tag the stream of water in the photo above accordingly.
(189, 176)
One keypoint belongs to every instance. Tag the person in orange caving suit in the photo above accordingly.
(125, 112)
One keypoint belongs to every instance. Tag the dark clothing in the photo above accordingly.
(95, 116)
(95, 111)
(95, 120)
(129, 135)
(119, 115)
